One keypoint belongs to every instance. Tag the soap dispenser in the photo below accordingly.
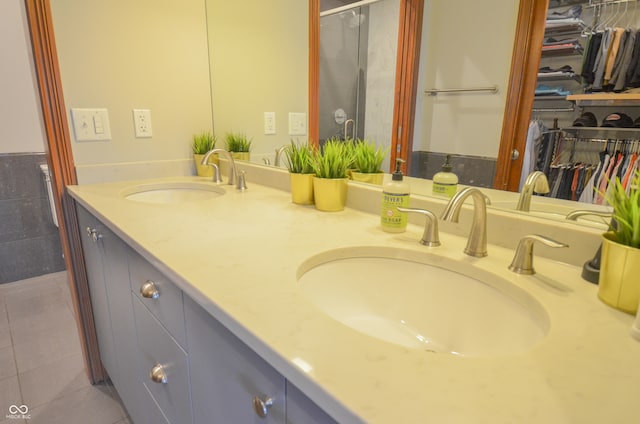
(395, 194)
(445, 182)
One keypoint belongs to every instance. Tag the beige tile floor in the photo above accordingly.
(41, 360)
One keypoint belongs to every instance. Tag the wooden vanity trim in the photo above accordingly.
(60, 159)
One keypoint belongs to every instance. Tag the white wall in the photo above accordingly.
(259, 63)
(21, 129)
(126, 54)
(465, 44)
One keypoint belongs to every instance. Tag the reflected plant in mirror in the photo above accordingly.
(367, 161)
(239, 145)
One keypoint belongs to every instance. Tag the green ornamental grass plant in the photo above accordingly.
(299, 158)
(368, 158)
(238, 142)
(626, 212)
(203, 142)
(334, 159)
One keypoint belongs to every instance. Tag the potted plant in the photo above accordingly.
(238, 145)
(367, 159)
(201, 144)
(330, 181)
(299, 158)
(619, 283)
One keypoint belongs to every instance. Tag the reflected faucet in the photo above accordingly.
(279, 153)
(477, 241)
(536, 182)
(353, 129)
(232, 164)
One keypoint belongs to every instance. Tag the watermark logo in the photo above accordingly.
(18, 412)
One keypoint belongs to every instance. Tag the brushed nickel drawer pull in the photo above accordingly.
(262, 405)
(158, 375)
(149, 290)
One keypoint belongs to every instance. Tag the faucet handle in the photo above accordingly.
(522, 262)
(216, 173)
(242, 182)
(430, 235)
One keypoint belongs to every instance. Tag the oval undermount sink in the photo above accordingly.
(172, 192)
(424, 302)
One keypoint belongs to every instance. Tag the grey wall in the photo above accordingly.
(29, 241)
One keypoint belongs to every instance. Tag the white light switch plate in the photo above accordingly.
(91, 124)
(297, 123)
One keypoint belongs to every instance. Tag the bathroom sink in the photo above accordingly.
(172, 192)
(421, 301)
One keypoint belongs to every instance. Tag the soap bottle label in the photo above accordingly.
(391, 217)
(444, 189)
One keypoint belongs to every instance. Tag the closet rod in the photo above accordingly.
(564, 109)
(434, 91)
(607, 2)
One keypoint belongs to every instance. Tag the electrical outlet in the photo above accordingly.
(142, 123)
(297, 123)
(269, 123)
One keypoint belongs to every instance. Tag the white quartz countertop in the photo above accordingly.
(237, 255)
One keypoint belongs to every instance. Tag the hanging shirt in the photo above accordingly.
(619, 75)
(613, 52)
(601, 59)
(529, 159)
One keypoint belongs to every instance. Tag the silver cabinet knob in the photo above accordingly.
(149, 290)
(158, 375)
(261, 405)
(93, 233)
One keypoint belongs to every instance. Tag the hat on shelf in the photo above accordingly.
(636, 123)
(587, 119)
(617, 120)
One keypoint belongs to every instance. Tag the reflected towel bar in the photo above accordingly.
(434, 91)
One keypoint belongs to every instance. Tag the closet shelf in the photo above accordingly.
(605, 99)
(603, 133)
(564, 51)
(564, 77)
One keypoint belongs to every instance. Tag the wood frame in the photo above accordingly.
(525, 62)
(60, 159)
(407, 63)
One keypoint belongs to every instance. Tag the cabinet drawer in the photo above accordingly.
(159, 353)
(163, 298)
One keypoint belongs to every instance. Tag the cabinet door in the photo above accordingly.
(302, 410)
(92, 247)
(226, 376)
(127, 379)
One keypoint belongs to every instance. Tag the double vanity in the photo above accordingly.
(213, 304)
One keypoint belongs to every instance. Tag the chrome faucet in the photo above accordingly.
(536, 182)
(574, 215)
(477, 241)
(279, 152)
(232, 165)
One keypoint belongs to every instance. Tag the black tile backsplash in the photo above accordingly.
(29, 241)
(471, 170)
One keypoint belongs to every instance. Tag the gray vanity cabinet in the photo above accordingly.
(170, 360)
(228, 380)
(108, 274)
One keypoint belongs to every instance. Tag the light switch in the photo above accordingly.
(91, 124)
(142, 123)
(269, 123)
(297, 123)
